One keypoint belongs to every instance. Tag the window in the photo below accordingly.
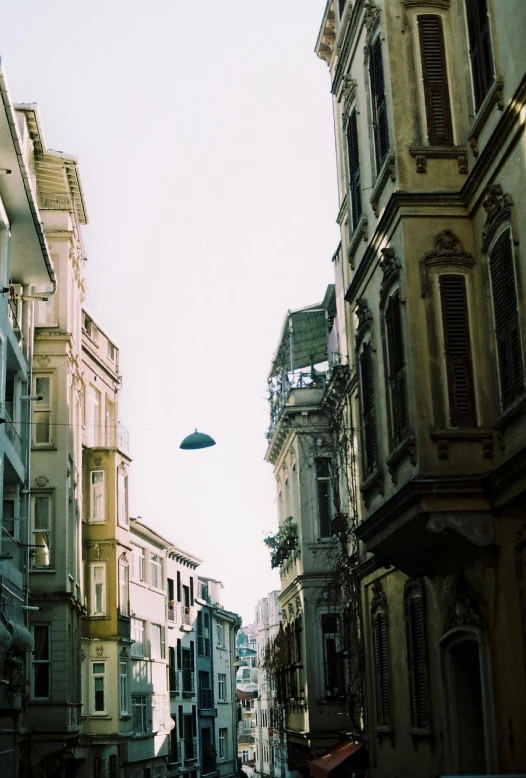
(381, 658)
(156, 571)
(97, 497)
(323, 488)
(41, 663)
(138, 563)
(41, 523)
(379, 103)
(480, 52)
(506, 319)
(140, 713)
(124, 589)
(332, 661)
(98, 679)
(221, 687)
(396, 369)
(111, 351)
(123, 688)
(42, 410)
(122, 498)
(434, 74)
(93, 417)
(9, 523)
(137, 635)
(457, 348)
(158, 650)
(244, 756)
(367, 402)
(223, 733)
(220, 633)
(416, 654)
(353, 160)
(98, 589)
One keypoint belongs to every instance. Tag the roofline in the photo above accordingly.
(13, 128)
(322, 26)
(68, 159)
(169, 546)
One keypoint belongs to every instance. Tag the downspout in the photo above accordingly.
(11, 119)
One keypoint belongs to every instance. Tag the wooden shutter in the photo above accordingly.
(191, 590)
(396, 369)
(417, 662)
(370, 452)
(179, 654)
(181, 722)
(434, 72)
(457, 348)
(506, 314)
(381, 669)
(480, 52)
(178, 586)
(381, 131)
(354, 170)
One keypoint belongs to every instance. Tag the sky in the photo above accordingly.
(206, 149)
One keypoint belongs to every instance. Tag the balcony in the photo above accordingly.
(188, 682)
(13, 315)
(175, 682)
(206, 703)
(187, 616)
(190, 749)
(209, 764)
(12, 434)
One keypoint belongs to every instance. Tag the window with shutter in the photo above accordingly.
(506, 317)
(457, 347)
(417, 657)
(480, 53)
(396, 369)
(367, 399)
(434, 74)
(354, 170)
(381, 668)
(379, 104)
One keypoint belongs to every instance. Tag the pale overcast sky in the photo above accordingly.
(205, 141)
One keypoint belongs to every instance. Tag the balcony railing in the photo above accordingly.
(206, 698)
(188, 681)
(187, 615)
(203, 646)
(209, 764)
(175, 682)
(281, 386)
(190, 749)
(12, 433)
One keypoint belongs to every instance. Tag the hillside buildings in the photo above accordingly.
(397, 426)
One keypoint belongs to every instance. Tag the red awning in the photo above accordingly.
(322, 766)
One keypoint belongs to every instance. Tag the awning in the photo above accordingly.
(6, 638)
(22, 637)
(321, 767)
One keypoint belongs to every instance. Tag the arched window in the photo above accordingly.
(414, 608)
(382, 681)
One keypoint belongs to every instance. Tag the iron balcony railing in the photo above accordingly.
(12, 315)
(206, 698)
(186, 616)
(190, 749)
(175, 682)
(188, 681)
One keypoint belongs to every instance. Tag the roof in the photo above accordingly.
(171, 550)
(304, 333)
(321, 767)
(58, 176)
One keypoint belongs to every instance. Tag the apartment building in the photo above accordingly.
(56, 585)
(26, 266)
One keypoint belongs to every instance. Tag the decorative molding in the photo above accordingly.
(422, 153)
(97, 459)
(407, 448)
(463, 613)
(371, 16)
(448, 251)
(349, 86)
(100, 650)
(379, 600)
(493, 97)
(41, 481)
(429, 3)
(390, 267)
(124, 654)
(365, 317)
(82, 655)
(462, 161)
(43, 360)
(474, 526)
(123, 557)
(498, 209)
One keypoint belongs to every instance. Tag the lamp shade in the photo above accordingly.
(197, 440)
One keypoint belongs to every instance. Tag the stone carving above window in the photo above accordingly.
(390, 266)
(365, 317)
(463, 613)
(449, 251)
(498, 209)
(474, 526)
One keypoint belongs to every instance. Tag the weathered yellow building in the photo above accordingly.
(429, 106)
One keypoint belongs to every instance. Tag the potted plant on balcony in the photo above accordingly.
(283, 543)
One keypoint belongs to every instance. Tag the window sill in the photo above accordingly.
(387, 171)
(370, 482)
(422, 153)
(43, 570)
(493, 97)
(126, 716)
(98, 717)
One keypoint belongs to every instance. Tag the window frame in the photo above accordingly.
(140, 710)
(396, 374)
(476, 51)
(124, 587)
(379, 105)
(158, 566)
(221, 687)
(43, 407)
(430, 85)
(122, 498)
(417, 655)
(222, 737)
(367, 401)
(138, 625)
(94, 711)
(94, 612)
(46, 661)
(97, 496)
(381, 660)
(325, 500)
(35, 547)
(352, 146)
(138, 560)
(124, 692)
(157, 647)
